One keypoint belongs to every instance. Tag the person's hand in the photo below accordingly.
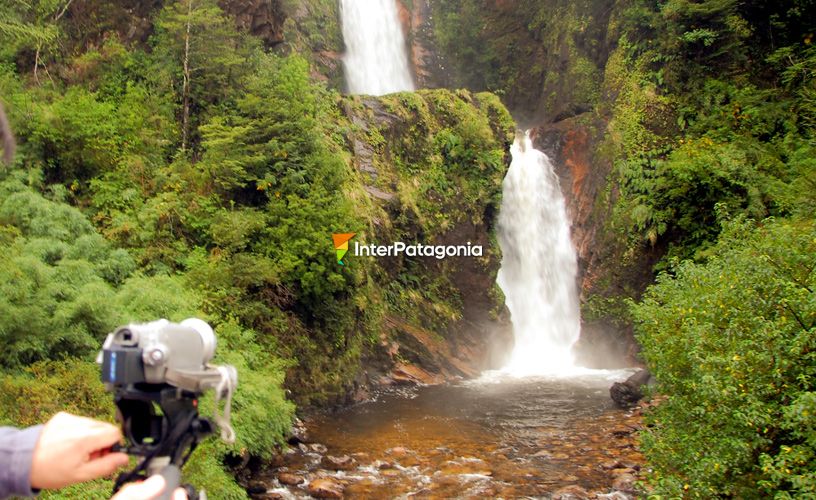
(147, 490)
(74, 449)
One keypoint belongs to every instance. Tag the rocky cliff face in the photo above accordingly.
(444, 318)
(544, 58)
(548, 61)
(262, 18)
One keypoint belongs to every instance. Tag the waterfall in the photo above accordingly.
(538, 266)
(375, 62)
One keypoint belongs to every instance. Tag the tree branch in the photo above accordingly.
(63, 11)
(185, 90)
(7, 137)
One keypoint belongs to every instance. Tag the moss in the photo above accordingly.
(443, 154)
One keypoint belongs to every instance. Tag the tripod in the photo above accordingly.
(163, 426)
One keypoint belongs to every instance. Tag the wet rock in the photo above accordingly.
(277, 459)
(289, 479)
(442, 480)
(611, 464)
(382, 464)
(344, 462)
(621, 432)
(325, 488)
(543, 454)
(627, 394)
(298, 433)
(256, 488)
(409, 374)
(571, 492)
(272, 495)
(303, 448)
(319, 448)
(397, 451)
(622, 470)
(624, 482)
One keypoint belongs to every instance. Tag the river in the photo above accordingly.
(498, 436)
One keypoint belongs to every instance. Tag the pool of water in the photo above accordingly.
(496, 436)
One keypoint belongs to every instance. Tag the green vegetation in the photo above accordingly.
(191, 172)
(711, 140)
(545, 58)
(732, 343)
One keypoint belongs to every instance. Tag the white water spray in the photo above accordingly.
(375, 61)
(538, 266)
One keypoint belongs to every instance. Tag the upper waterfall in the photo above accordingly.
(538, 266)
(375, 62)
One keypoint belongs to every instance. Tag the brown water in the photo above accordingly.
(507, 438)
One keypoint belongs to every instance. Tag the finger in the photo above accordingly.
(102, 466)
(149, 489)
(101, 436)
(179, 494)
(79, 421)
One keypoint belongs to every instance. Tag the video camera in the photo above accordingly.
(156, 372)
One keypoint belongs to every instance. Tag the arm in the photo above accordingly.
(16, 456)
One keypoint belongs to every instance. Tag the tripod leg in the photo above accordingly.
(172, 478)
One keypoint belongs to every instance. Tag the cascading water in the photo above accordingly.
(375, 61)
(538, 266)
(538, 269)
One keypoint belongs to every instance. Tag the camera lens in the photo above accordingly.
(207, 335)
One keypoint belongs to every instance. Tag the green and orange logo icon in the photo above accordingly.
(341, 245)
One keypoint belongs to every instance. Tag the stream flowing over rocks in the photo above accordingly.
(497, 436)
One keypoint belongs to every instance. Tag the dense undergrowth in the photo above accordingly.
(714, 159)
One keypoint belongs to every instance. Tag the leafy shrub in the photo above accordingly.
(732, 343)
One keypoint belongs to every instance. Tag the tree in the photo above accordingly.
(200, 52)
(32, 25)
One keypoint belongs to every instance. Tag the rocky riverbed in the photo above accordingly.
(531, 437)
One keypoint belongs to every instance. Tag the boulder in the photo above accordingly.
(256, 488)
(325, 488)
(319, 448)
(627, 394)
(624, 482)
(397, 451)
(289, 479)
(298, 433)
(344, 462)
